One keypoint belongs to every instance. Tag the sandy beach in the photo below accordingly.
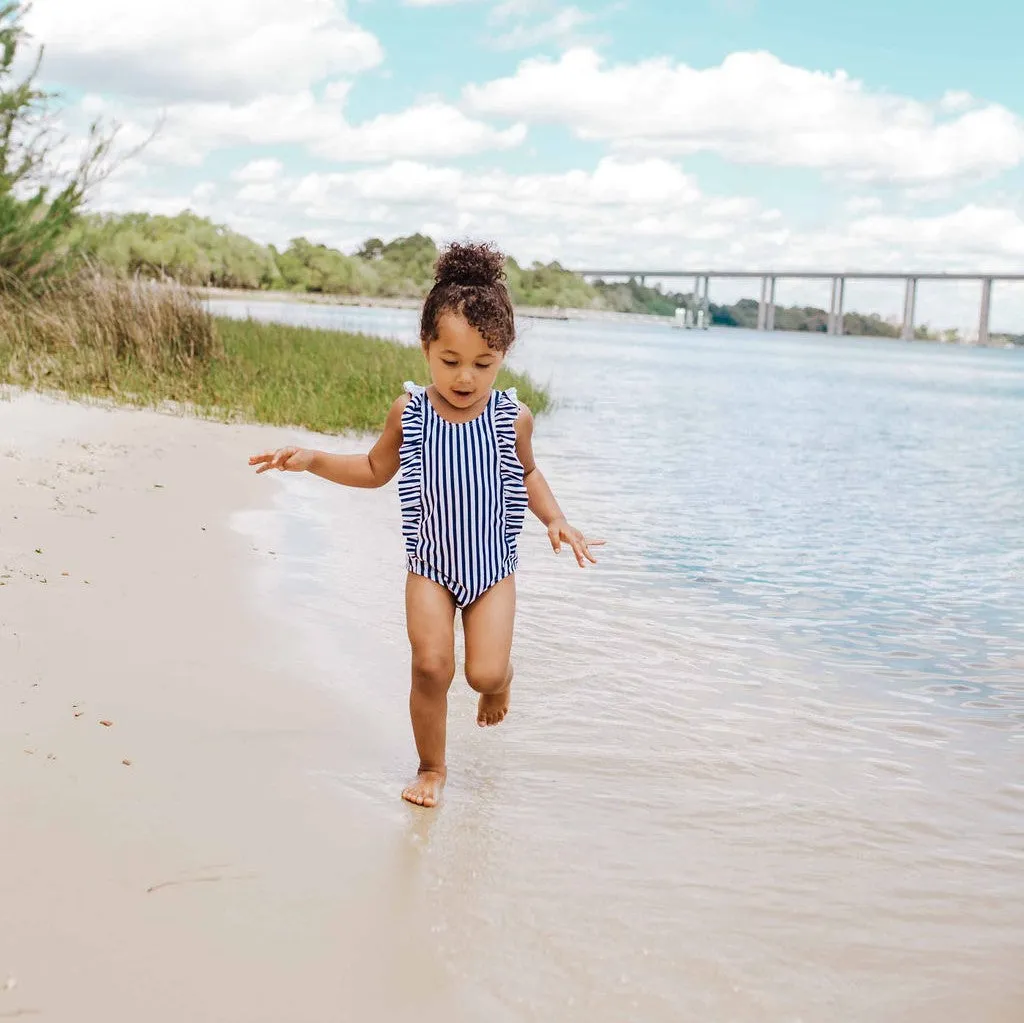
(169, 853)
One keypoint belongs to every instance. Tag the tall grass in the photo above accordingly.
(146, 344)
(102, 335)
(320, 378)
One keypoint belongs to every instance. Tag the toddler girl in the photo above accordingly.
(467, 476)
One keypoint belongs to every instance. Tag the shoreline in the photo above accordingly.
(543, 313)
(414, 304)
(196, 841)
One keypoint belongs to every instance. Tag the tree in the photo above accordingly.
(373, 248)
(187, 248)
(39, 198)
(305, 266)
(409, 264)
(548, 285)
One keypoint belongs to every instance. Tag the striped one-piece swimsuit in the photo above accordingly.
(463, 494)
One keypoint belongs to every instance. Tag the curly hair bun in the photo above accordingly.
(470, 265)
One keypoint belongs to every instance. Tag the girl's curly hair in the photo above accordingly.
(470, 280)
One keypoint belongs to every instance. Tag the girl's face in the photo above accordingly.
(462, 367)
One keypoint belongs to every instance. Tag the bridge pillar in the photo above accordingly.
(705, 304)
(700, 299)
(835, 307)
(769, 316)
(986, 308)
(762, 306)
(909, 303)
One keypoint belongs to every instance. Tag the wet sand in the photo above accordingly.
(171, 848)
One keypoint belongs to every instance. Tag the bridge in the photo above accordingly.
(766, 308)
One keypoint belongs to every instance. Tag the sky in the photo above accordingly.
(742, 134)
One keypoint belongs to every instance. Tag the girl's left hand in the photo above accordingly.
(560, 532)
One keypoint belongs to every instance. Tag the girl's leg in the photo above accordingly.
(430, 619)
(488, 625)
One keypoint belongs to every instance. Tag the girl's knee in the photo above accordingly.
(432, 671)
(486, 679)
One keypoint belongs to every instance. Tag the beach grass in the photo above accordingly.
(322, 379)
(144, 344)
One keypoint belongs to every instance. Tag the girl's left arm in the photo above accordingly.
(542, 500)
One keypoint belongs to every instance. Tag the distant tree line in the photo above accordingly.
(197, 252)
(806, 318)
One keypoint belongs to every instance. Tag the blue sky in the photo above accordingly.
(751, 133)
(905, 46)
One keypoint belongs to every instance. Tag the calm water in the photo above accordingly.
(767, 761)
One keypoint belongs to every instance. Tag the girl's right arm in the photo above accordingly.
(371, 470)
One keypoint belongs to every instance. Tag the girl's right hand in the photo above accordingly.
(285, 459)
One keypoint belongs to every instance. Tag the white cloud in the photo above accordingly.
(229, 49)
(190, 131)
(752, 108)
(431, 128)
(562, 27)
(258, 171)
(972, 238)
(643, 187)
(260, 192)
(571, 216)
(955, 100)
(862, 204)
(132, 190)
(526, 24)
(931, 191)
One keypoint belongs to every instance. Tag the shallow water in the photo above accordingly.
(766, 762)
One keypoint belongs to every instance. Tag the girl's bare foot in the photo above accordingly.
(492, 707)
(426, 789)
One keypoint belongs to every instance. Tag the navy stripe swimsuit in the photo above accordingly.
(463, 494)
